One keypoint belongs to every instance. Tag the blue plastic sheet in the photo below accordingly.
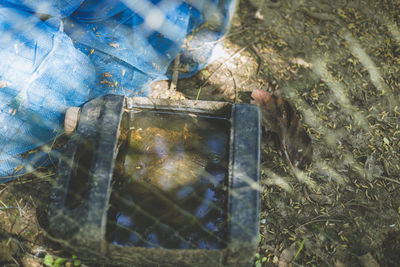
(60, 53)
(54, 8)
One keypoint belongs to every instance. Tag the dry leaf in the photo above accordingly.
(302, 62)
(4, 84)
(280, 117)
(368, 260)
(18, 168)
(115, 45)
(28, 261)
(287, 255)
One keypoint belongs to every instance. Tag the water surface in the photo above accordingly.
(170, 182)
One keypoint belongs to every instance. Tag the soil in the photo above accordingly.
(337, 62)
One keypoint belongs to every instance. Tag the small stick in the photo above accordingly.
(175, 73)
(259, 58)
(223, 38)
(319, 16)
(323, 16)
(223, 64)
(388, 179)
(321, 220)
(234, 84)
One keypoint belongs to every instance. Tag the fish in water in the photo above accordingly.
(279, 117)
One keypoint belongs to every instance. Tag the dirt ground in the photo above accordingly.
(338, 63)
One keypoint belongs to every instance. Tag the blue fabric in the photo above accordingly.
(46, 7)
(86, 49)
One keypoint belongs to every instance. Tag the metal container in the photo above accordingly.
(82, 204)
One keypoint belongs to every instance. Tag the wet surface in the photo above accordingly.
(170, 182)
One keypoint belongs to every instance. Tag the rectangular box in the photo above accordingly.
(170, 183)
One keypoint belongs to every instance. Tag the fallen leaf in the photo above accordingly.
(368, 260)
(287, 255)
(28, 261)
(8, 249)
(278, 116)
(5, 252)
(338, 263)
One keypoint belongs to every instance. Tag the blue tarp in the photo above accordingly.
(60, 53)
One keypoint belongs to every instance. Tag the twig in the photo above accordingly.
(388, 179)
(223, 64)
(298, 174)
(316, 218)
(5, 207)
(321, 220)
(19, 209)
(234, 84)
(175, 73)
(233, 33)
(223, 38)
(259, 58)
(2, 190)
(11, 207)
(323, 16)
(2, 203)
(319, 16)
(15, 261)
(219, 67)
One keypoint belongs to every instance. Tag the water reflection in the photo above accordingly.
(170, 183)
